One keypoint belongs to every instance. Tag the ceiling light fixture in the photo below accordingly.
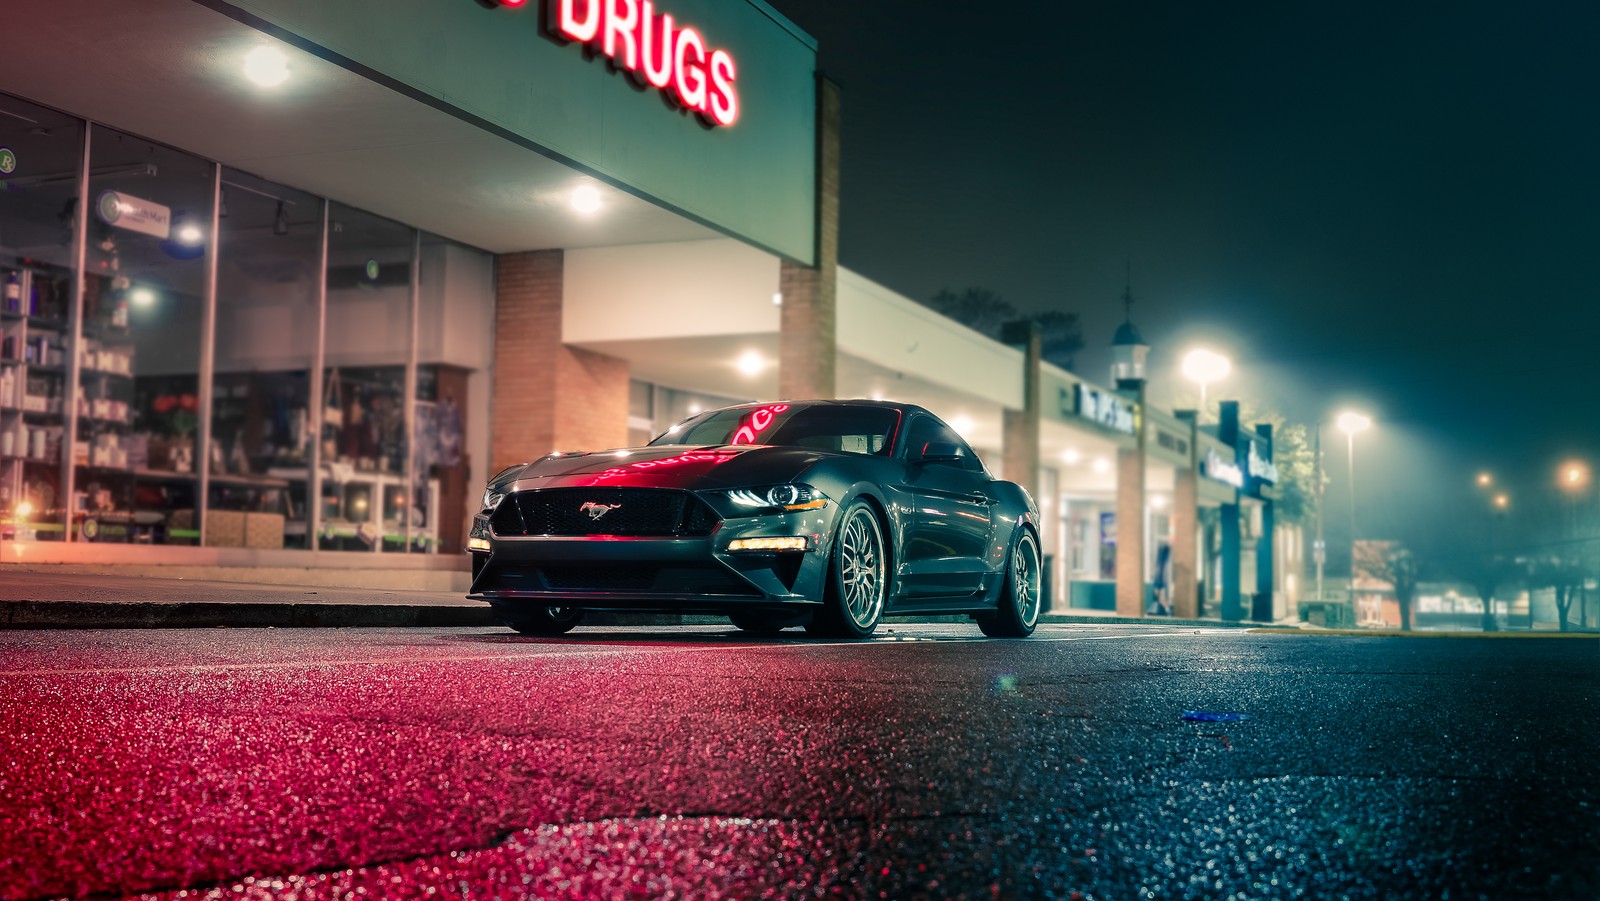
(586, 200)
(266, 66)
(751, 363)
(189, 234)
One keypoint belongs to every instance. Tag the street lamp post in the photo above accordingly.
(1573, 478)
(1351, 422)
(1205, 366)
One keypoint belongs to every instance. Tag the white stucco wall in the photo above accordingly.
(894, 331)
(677, 289)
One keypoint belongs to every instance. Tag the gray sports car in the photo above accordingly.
(827, 514)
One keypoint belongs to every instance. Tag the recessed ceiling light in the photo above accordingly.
(586, 199)
(751, 363)
(1101, 464)
(190, 234)
(142, 297)
(266, 66)
(1071, 456)
(962, 424)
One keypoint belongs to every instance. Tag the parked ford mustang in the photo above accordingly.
(827, 514)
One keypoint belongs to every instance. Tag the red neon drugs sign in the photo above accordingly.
(653, 48)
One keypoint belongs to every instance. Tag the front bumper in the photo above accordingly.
(678, 575)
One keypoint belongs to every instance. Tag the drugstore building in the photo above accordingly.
(256, 253)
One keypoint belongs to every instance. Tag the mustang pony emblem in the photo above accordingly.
(597, 510)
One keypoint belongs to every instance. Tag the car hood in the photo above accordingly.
(668, 466)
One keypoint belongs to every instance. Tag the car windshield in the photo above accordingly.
(853, 430)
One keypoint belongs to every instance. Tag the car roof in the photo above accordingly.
(831, 402)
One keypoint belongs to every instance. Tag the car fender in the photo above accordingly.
(893, 521)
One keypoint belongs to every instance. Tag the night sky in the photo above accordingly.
(1388, 204)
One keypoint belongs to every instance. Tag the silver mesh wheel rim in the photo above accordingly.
(861, 584)
(1025, 580)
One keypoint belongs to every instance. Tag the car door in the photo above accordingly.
(952, 524)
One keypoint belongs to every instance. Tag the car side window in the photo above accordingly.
(926, 430)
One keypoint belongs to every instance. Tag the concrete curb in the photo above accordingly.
(1074, 619)
(96, 615)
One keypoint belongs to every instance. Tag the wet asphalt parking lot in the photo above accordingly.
(695, 762)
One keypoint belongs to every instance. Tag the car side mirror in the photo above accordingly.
(941, 452)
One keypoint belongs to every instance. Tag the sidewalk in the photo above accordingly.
(51, 600)
(36, 600)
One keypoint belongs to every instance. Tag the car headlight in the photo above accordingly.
(492, 498)
(782, 497)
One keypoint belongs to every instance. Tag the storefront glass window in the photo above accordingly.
(365, 445)
(138, 416)
(41, 153)
(266, 336)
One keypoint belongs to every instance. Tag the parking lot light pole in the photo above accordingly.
(1351, 422)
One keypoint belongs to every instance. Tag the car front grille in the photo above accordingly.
(617, 512)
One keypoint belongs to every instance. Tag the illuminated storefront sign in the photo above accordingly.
(1259, 468)
(1213, 467)
(1107, 409)
(652, 48)
(134, 214)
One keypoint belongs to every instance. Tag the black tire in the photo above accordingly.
(542, 621)
(761, 623)
(858, 577)
(1020, 602)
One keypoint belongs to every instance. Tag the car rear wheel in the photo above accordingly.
(858, 577)
(542, 620)
(1020, 598)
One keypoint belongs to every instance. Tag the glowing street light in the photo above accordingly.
(1573, 475)
(1485, 479)
(1502, 501)
(1350, 422)
(1205, 366)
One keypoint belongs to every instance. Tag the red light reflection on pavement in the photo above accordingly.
(314, 776)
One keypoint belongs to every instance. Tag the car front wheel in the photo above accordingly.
(858, 577)
(1020, 600)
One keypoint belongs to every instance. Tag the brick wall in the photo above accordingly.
(547, 396)
(808, 323)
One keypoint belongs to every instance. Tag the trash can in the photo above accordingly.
(1261, 606)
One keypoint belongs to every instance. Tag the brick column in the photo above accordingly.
(547, 396)
(1020, 428)
(808, 323)
(1130, 514)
